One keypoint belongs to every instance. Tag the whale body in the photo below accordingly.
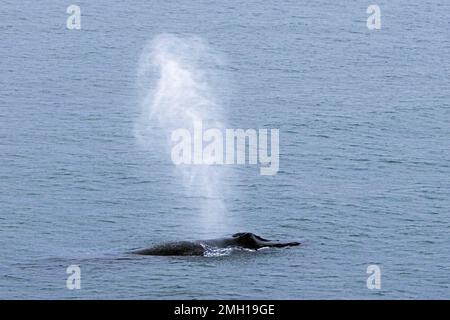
(244, 240)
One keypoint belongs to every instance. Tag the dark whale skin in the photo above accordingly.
(179, 248)
(245, 240)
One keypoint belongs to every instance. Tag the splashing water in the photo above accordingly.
(175, 74)
(216, 252)
(211, 251)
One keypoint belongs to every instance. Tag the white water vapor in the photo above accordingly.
(177, 77)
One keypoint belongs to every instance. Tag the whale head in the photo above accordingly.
(252, 241)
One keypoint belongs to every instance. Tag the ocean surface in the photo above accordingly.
(86, 173)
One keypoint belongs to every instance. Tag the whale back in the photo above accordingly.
(179, 248)
(246, 240)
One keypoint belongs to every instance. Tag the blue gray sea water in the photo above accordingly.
(364, 120)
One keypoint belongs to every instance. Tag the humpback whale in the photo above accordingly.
(245, 240)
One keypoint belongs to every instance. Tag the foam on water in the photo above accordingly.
(215, 251)
(211, 251)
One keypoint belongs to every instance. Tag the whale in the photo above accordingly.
(241, 240)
